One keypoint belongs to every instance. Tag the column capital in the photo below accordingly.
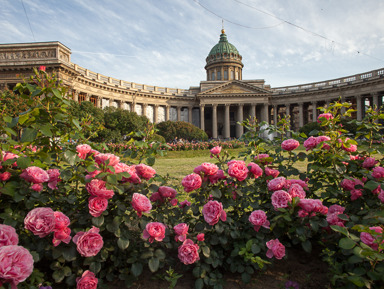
(202, 105)
(227, 104)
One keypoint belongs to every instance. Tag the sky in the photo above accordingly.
(165, 42)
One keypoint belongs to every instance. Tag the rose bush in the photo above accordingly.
(234, 217)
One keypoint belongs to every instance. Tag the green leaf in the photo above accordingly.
(136, 269)
(357, 280)
(99, 221)
(255, 249)
(371, 185)
(160, 254)
(206, 251)
(150, 161)
(216, 193)
(95, 267)
(346, 243)
(69, 253)
(70, 157)
(122, 243)
(199, 284)
(307, 246)
(29, 135)
(153, 264)
(46, 130)
(58, 275)
(23, 162)
(339, 229)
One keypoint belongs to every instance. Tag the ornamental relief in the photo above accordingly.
(21, 55)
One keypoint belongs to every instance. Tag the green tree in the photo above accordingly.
(181, 129)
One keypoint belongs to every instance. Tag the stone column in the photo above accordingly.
(275, 108)
(239, 119)
(314, 111)
(375, 98)
(133, 106)
(359, 107)
(227, 124)
(144, 110)
(110, 102)
(190, 114)
(167, 107)
(87, 97)
(265, 116)
(253, 111)
(178, 113)
(301, 115)
(155, 113)
(202, 122)
(98, 102)
(342, 100)
(214, 121)
(76, 96)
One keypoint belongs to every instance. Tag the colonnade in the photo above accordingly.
(223, 120)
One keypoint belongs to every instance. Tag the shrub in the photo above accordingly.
(180, 129)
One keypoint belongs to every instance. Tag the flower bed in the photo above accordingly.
(78, 216)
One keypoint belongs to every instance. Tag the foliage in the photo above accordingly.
(241, 217)
(171, 130)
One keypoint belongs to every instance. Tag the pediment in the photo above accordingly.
(234, 88)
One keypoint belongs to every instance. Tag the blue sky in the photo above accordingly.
(165, 42)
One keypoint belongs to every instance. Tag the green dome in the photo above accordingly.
(223, 47)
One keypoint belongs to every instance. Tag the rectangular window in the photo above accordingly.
(232, 74)
(213, 76)
(225, 74)
(218, 75)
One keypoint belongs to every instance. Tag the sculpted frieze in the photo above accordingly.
(30, 54)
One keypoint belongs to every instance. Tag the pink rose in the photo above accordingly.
(216, 177)
(141, 203)
(209, 169)
(16, 264)
(213, 211)
(188, 252)
(97, 206)
(262, 158)
(336, 209)
(355, 194)
(181, 231)
(310, 143)
(154, 231)
(54, 178)
(184, 204)
(378, 172)
(238, 170)
(370, 240)
(191, 182)
(280, 199)
(134, 178)
(369, 163)
(348, 147)
(103, 159)
(349, 184)
(145, 172)
(275, 249)
(322, 116)
(40, 221)
(290, 144)
(97, 188)
(83, 150)
(173, 202)
(37, 187)
(10, 156)
(89, 243)
(35, 175)
(5, 176)
(87, 281)
(295, 190)
(42, 68)
(277, 184)
(61, 220)
(303, 184)
(200, 237)
(167, 192)
(381, 196)
(271, 172)
(255, 170)
(61, 235)
(8, 236)
(313, 206)
(259, 219)
(323, 139)
(332, 215)
(215, 150)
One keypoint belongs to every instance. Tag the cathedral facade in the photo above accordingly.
(216, 105)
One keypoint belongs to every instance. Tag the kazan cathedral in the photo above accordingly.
(215, 106)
